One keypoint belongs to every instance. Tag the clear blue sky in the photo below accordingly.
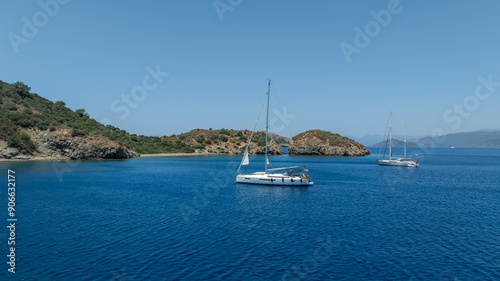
(426, 59)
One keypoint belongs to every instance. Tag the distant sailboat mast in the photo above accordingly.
(390, 136)
(267, 118)
(405, 142)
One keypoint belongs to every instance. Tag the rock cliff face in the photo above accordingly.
(7, 152)
(318, 142)
(61, 145)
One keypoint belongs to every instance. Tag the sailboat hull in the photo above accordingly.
(398, 163)
(273, 179)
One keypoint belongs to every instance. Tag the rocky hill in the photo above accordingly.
(226, 141)
(32, 127)
(318, 142)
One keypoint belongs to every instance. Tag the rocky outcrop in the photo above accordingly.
(318, 142)
(61, 145)
(92, 147)
(7, 152)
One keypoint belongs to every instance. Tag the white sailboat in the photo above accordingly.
(288, 176)
(392, 161)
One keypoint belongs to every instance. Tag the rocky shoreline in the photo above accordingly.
(60, 145)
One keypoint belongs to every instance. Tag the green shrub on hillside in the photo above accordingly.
(224, 132)
(78, 133)
(22, 142)
(200, 139)
(259, 138)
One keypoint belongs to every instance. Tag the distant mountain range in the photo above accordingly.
(482, 138)
(373, 140)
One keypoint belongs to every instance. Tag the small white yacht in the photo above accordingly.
(393, 161)
(275, 176)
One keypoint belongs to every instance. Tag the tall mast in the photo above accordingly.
(405, 141)
(267, 115)
(390, 136)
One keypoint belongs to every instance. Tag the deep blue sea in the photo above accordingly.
(187, 219)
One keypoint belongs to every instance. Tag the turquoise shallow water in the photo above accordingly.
(186, 219)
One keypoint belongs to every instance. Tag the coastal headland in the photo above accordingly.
(35, 128)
